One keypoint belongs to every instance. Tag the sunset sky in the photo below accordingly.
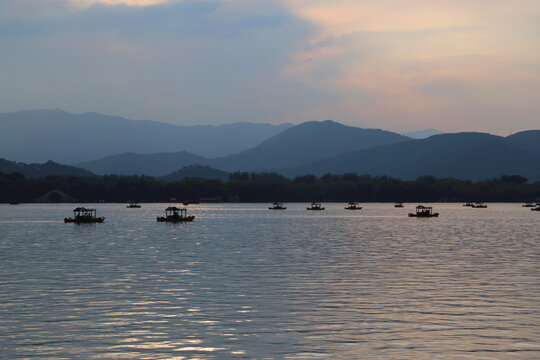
(453, 65)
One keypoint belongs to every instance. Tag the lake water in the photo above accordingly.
(244, 282)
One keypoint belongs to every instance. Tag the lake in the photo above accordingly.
(245, 282)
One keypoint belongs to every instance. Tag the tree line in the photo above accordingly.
(270, 187)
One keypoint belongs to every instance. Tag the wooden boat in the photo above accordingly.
(83, 215)
(353, 206)
(133, 205)
(174, 214)
(398, 205)
(536, 207)
(528, 204)
(423, 211)
(468, 204)
(277, 206)
(479, 205)
(315, 206)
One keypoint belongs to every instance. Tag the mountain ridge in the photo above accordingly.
(470, 156)
(34, 170)
(303, 143)
(41, 135)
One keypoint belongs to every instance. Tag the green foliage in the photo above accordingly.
(269, 187)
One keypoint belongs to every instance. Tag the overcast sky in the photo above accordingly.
(401, 65)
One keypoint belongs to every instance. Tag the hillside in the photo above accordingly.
(41, 170)
(40, 135)
(305, 143)
(159, 164)
(527, 140)
(471, 156)
(197, 171)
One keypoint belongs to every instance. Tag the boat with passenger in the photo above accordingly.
(353, 206)
(133, 205)
(423, 211)
(398, 205)
(536, 207)
(277, 206)
(479, 205)
(315, 206)
(174, 214)
(82, 215)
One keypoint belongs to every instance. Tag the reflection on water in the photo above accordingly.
(245, 282)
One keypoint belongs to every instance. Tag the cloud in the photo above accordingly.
(407, 63)
(189, 61)
(399, 65)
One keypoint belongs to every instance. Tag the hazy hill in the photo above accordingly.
(197, 171)
(473, 156)
(40, 135)
(41, 170)
(528, 140)
(422, 134)
(305, 143)
(159, 164)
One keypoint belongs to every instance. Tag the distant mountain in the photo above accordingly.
(41, 170)
(159, 164)
(40, 135)
(528, 140)
(197, 171)
(422, 134)
(472, 156)
(305, 143)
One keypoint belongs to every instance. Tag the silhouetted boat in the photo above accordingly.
(187, 202)
(14, 203)
(479, 205)
(315, 206)
(277, 206)
(83, 215)
(174, 214)
(133, 205)
(536, 207)
(424, 211)
(528, 204)
(353, 206)
(398, 205)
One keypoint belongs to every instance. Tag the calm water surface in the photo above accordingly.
(244, 282)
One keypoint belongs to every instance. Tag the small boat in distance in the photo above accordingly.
(353, 206)
(528, 204)
(315, 206)
(133, 205)
(174, 214)
(479, 205)
(398, 205)
(536, 207)
(468, 204)
(277, 206)
(423, 211)
(83, 215)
